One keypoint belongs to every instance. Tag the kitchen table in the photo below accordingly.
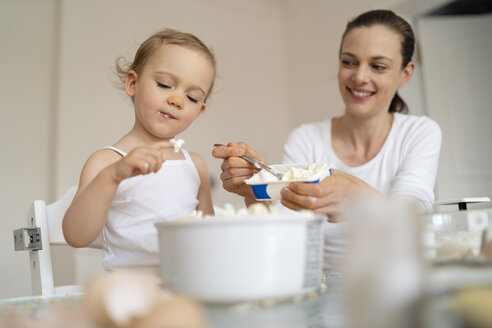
(320, 309)
(325, 308)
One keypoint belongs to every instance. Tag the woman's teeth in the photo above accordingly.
(361, 94)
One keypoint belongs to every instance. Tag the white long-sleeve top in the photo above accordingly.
(405, 166)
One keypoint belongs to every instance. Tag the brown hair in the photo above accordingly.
(407, 40)
(160, 38)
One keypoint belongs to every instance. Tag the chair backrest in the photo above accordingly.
(49, 219)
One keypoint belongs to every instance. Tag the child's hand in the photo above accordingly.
(141, 160)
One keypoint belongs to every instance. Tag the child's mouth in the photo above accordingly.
(166, 115)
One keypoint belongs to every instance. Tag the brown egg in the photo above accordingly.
(174, 311)
(115, 298)
(13, 318)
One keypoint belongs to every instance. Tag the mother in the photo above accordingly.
(374, 146)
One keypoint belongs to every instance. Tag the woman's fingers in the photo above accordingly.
(226, 151)
(243, 173)
(249, 151)
(325, 205)
(237, 165)
(310, 198)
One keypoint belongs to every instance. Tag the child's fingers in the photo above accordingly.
(153, 160)
(162, 145)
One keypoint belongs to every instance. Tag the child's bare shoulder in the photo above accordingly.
(100, 159)
(200, 164)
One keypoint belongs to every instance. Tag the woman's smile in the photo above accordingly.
(360, 94)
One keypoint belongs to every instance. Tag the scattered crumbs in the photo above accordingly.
(27, 306)
(268, 302)
(312, 293)
(55, 301)
(297, 298)
(241, 307)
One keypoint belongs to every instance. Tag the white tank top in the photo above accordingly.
(130, 237)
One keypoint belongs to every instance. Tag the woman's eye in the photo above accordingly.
(346, 62)
(192, 99)
(162, 85)
(379, 67)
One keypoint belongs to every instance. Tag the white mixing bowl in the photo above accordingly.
(226, 260)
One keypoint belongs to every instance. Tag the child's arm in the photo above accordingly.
(99, 180)
(204, 195)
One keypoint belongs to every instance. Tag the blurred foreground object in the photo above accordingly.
(113, 300)
(457, 235)
(124, 299)
(383, 268)
(475, 307)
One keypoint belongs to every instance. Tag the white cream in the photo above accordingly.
(293, 172)
(312, 171)
(178, 143)
(257, 209)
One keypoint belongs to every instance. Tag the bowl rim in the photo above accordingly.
(241, 220)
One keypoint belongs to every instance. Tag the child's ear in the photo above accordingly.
(202, 109)
(131, 81)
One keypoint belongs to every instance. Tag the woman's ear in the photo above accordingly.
(131, 81)
(407, 73)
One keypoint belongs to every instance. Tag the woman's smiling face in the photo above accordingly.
(370, 69)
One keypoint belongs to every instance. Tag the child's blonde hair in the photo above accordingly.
(149, 46)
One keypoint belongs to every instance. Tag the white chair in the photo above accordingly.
(45, 229)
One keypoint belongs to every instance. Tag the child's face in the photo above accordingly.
(170, 90)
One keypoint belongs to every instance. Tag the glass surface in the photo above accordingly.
(320, 309)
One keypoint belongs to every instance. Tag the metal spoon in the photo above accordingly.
(258, 164)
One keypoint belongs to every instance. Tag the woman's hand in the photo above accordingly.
(235, 169)
(327, 196)
(141, 160)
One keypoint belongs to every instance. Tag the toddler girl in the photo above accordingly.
(124, 189)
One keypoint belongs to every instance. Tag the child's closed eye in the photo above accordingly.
(192, 99)
(162, 85)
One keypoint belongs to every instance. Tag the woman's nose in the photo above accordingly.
(361, 75)
(175, 100)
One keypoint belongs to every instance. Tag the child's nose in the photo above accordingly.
(176, 101)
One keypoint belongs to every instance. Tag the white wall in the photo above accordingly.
(27, 65)
(314, 29)
(277, 66)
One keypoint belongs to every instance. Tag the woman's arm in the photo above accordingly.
(416, 176)
(205, 203)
